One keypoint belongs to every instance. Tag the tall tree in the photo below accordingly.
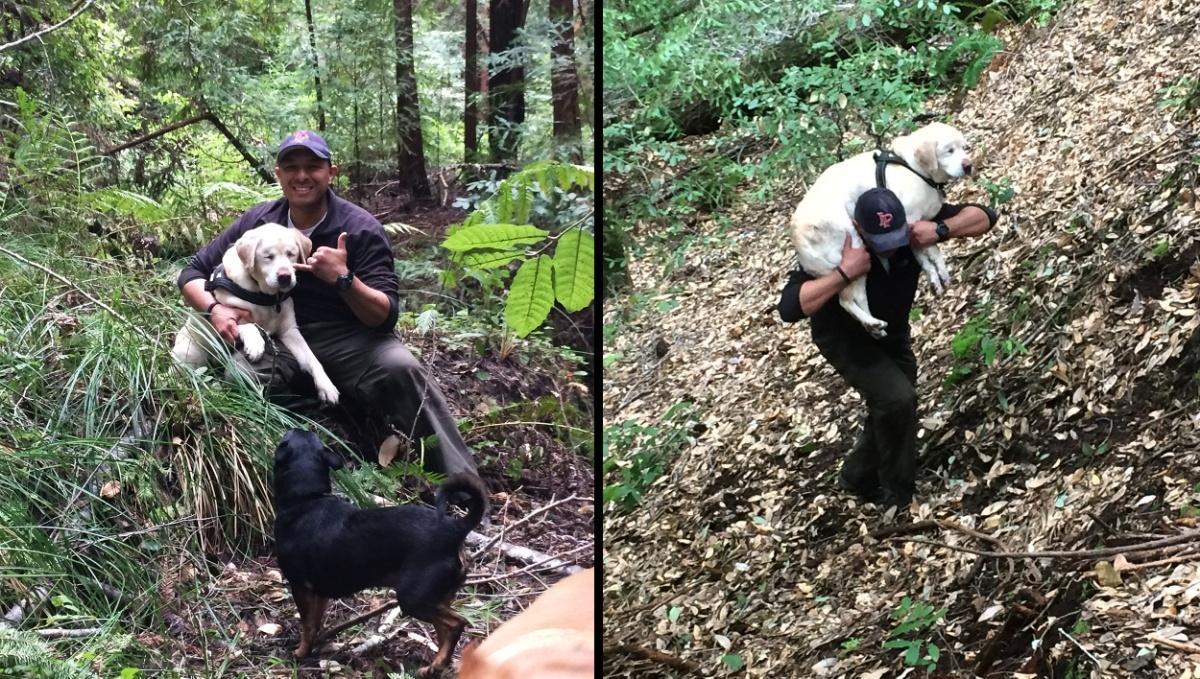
(410, 150)
(506, 79)
(312, 45)
(564, 80)
(471, 76)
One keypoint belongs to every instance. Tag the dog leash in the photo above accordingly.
(884, 157)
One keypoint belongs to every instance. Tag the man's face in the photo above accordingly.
(304, 177)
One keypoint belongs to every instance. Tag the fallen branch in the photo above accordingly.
(64, 22)
(1177, 645)
(1094, 659)
(1190, 536)
(524, 519)
(530, 567)
(333, 631)
(1190, 556)
(945, 524)
(523, 554)
(653, 656)
(63, 633)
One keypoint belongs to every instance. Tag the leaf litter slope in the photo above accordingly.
(1087, 438)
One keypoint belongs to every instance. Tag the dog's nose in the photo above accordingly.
(285, 279)
(968, 167)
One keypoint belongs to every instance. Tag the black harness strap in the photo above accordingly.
(218, 280)
(884, 157)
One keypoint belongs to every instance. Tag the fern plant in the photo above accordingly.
(24, 654)
(502, 230)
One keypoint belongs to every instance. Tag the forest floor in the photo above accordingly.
(525, 404)
(1059, 386)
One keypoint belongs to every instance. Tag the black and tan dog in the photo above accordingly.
(328, 548)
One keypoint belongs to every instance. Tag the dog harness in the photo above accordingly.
(218, 280)
(885, 157)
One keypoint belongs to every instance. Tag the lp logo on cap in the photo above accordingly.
(885, 219)
(301, 135)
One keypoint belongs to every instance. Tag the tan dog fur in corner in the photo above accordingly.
(552, 639)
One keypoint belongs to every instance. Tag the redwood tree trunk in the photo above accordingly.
(312, 44)
(506, 83)
(564, 81)
(471, 76)
(409, 146)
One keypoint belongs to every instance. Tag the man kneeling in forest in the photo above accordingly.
(346, 307)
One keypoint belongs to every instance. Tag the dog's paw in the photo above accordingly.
(301, 650)
(328, 393)
(253, 346)
(877, 329)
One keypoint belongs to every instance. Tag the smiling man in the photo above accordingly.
(346, 306)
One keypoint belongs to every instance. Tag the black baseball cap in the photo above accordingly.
(881, 220)
(304, 139)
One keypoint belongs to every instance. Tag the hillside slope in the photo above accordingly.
(1080, 433)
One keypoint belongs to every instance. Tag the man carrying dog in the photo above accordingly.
(881, 467)
(346, 303)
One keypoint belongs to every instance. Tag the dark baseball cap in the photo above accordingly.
(304, 139)
(881, 220)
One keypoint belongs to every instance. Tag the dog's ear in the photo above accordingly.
(331, 458)
(246, 245)
(926, 156)
(304, 243)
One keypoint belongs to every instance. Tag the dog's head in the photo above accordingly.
(940, 151)
(268, 254)
(302, 464)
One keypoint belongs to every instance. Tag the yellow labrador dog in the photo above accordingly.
(257, 274)
(935, 154)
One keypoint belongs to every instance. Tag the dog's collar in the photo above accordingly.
(218, 280)
(884, 157)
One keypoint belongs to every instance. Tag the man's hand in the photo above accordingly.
(855, 261)
(327, 263)
(226, 319)
(922, 233)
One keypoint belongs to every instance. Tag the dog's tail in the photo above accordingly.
(468, 485)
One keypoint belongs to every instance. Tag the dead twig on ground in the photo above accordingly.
(1190, 536)
(530, 567)
(504, 529)
(333, 631)
(1177, 645)
(944, 524)
(652, 655)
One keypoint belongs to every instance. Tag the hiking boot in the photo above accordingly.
(867, 490)
(891, 495)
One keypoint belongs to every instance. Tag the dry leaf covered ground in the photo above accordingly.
(1080, 434)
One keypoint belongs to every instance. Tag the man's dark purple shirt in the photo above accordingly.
(369, 257)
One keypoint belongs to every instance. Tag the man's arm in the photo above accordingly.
(964, 221)
(374, 277)
(805, 296)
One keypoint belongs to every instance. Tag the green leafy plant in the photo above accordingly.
(999, 192)
(976, 342)
(636, 455)
(501, 231)
(911, 620)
